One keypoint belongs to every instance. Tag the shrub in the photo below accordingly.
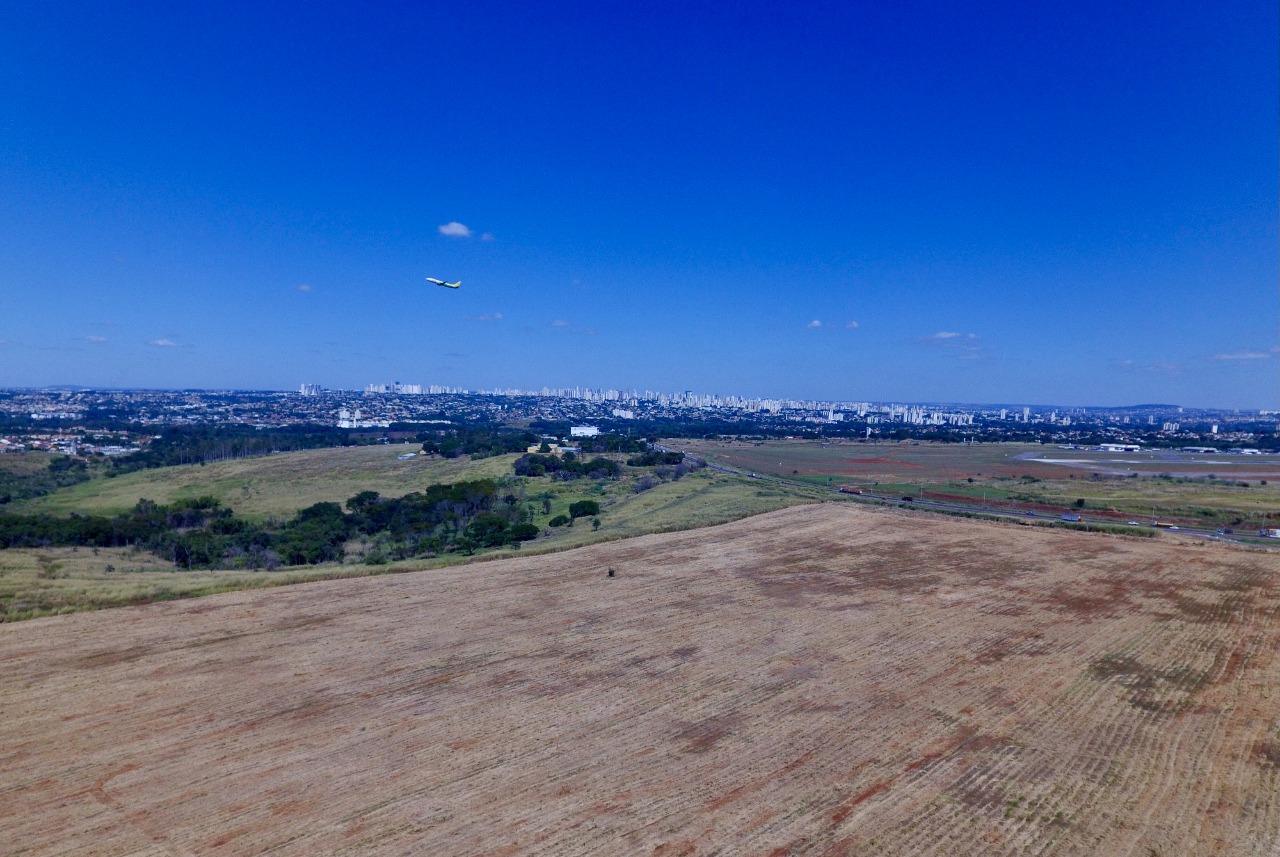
(522, 533)
(558, 521)
(584, 509)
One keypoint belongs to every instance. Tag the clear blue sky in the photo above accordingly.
(1059, 203)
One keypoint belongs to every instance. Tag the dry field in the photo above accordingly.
(819, 680)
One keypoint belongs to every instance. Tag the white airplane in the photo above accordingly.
(443, 283)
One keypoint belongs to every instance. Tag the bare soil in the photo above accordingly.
(820, 680)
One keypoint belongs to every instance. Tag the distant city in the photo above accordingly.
(114, 421)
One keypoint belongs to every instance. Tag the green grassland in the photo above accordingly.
(24, 463)
(47, 581)
(995, 473)
(276, 485)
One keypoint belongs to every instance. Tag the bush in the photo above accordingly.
(644, 483)
(584, 509)
(558, 521)
(522, 533)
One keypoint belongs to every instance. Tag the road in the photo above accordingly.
(1208, 533)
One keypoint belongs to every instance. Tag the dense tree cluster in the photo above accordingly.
(200, 533)
(204, 444)
(652, 458)
(477, 443)
(566, 467)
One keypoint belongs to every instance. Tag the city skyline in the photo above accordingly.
(920, 204)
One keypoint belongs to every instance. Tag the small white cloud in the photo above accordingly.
(853, 325)
(559, 322)
(163, 343)
(1244, 355)
(454, 229)
(814, 325)
(485, 236)
(95, 339)
(497, 316)
(948, 337)
(303, 287)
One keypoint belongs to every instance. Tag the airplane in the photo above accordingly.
(443, 283)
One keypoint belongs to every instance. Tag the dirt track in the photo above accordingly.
(821, 680)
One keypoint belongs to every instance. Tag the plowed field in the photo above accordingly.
(820, 680)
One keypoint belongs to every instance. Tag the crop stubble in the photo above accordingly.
(820, 680)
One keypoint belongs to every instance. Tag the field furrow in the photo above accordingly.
(820, 680)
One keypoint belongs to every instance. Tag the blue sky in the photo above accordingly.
(1059, 203)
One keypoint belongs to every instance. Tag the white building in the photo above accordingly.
(583, 431)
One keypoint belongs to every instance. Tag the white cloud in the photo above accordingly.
(454, 229)
(486, 236)
(948, 337)
(573, 328)
(163, 343)
(303, 287)
(497, 316)
(95, 339)
(1244, 355)
(853, 325)
(814, 325)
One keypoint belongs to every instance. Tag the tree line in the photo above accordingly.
(202, 534)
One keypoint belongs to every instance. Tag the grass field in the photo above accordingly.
(822, 680)
(1027, 474)
(50, 581)
(277, 485)
(24, 463)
